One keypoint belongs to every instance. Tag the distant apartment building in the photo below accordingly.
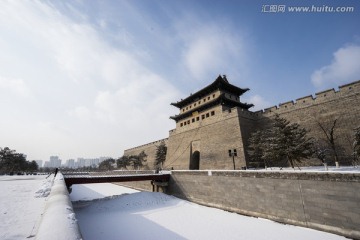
(54, 162)
(39, 163)
(71, 163)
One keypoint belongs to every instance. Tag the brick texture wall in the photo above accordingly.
(149, 149)
(212, 138)
(324, 201)
(343, 105)
(215, 135)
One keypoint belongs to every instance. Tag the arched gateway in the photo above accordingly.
(195, 161)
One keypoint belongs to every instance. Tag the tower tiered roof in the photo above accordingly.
(220, 84)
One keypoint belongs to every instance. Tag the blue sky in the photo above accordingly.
(92, 78)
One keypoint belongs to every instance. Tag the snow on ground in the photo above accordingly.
(58, 221)
(331, 169)
(96, 191)
(114, 212)
(22, 201)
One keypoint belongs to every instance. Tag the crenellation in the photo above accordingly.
(148, 144)
(349, 88)
(305, 101)
(259, 112)
(310, 100)
(355, 85)
(325, 94)
(286, 105)
(271, 109)
(223, 123)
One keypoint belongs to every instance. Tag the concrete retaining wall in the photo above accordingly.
(138, 185)
(58, 221)
(323, 201)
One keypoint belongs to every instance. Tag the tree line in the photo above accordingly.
(138, 161)
(284, 143)
(12, 162)
(135, 162)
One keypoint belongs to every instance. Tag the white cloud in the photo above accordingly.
(345, 67)
(95, 89)
(258, 101)
(14, 86)
(211, 48)
(101, 98)
(80, 112)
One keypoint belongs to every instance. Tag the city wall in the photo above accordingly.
(231, 129)
(324, 201)
(212, 138)
(149, 149)
(324, 108)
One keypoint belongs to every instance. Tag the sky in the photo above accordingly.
(92, 78)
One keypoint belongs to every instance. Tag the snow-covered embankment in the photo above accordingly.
(58, 221)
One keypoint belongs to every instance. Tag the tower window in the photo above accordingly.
(188, 122)
(193, 120)
(207, 115)
(208, 98)
(181, 124)
(212, 113)
(197, 118)
(203, 116)
(213, 95)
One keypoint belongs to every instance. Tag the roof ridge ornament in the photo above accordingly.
(224, 78)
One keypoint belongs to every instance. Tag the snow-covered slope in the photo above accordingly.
(20, 206)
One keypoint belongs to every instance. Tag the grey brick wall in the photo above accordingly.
(343, 105)
(149, 149)
(324, 201)
(215, 135)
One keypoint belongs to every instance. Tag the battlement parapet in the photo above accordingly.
(327, 93)
(148, 144)
(247, 114)
(237, 111)
(307, 99)
(288, 104)
(271, 109)
(320, 97)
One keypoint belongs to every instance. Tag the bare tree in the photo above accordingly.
(330, 138)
